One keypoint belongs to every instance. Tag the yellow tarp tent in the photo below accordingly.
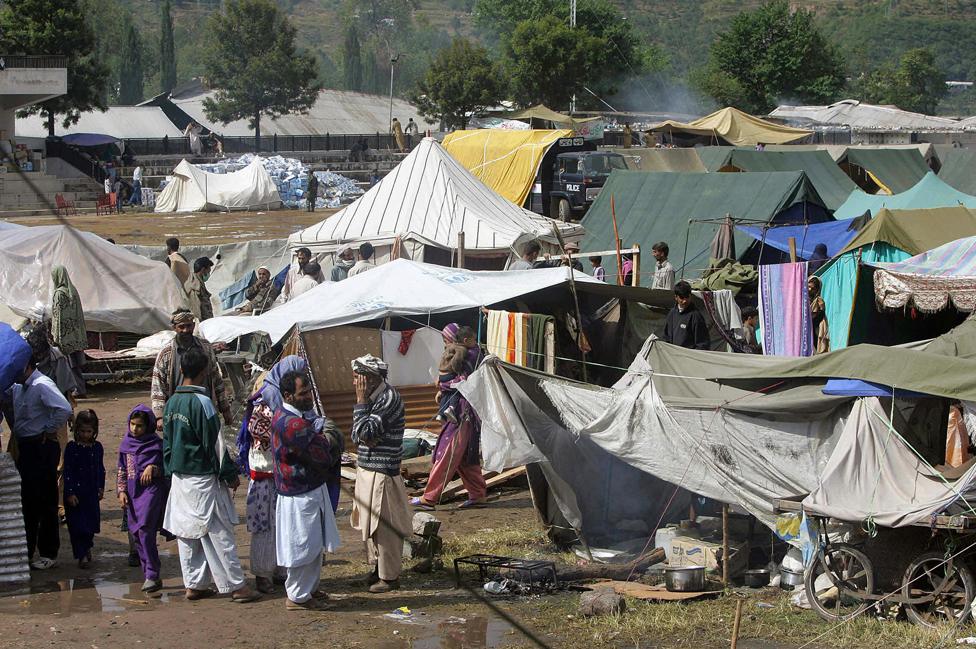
(734, 127)
(506, 161)
(543, 113)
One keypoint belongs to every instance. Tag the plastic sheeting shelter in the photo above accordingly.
(399, 288)
(891, 236)
(195, 190)
(959, 169)
(656, 206)
(929, 192)
(644, 159)
(119, 290)
(505, 161)
(889, 170)
(834, 234)
(831, 183)
(700, 421)
(425, 202)
(931, 281)
(732, 126)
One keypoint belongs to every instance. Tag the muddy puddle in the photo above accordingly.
(67, 597)
(420, 631)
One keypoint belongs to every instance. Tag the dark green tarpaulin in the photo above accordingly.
(897, 169)
(831, 183)
(715, 157)
(647, 159)
(959, 169)
(774, 384)
(657, 206)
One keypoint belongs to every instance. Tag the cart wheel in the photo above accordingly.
(951, 583)
(839, 566)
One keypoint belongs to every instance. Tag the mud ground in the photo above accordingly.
(102, 607)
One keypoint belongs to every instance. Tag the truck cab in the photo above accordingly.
(570, 177)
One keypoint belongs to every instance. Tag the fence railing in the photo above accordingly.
(33, 61)
(269, 143)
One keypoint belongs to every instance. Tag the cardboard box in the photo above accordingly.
(688, 551)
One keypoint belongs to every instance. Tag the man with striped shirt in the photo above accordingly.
(380, 499)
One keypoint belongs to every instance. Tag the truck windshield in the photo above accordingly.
(604, 164)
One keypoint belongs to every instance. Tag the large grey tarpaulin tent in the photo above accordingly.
(740, 429)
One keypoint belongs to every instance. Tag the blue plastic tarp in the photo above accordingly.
(835, 234)
(234, 294)
(859, 388)
(14, 354)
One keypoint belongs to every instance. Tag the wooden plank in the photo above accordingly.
(638, 590)
(493, 479)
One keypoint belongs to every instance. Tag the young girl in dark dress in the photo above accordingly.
(84, 485)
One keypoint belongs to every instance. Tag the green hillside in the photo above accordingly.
(869, 34)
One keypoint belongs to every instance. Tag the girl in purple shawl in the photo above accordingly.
(142, 489)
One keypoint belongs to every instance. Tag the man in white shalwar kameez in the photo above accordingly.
(306, 524)
(200, 510)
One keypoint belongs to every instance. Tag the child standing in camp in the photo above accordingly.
(84, 485)
(460, 359)
(142, 489)
(598, 271)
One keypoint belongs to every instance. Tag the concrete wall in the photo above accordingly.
(21, 87)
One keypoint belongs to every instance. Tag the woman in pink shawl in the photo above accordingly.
(142, 489)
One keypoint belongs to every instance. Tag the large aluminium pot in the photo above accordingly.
(686, 579)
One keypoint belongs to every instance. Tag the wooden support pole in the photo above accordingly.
(636, 276)
(725, 545)
(736, 622)
(460, 253)
(792, 250)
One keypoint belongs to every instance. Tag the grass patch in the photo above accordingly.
(521, 542)
(708, 623)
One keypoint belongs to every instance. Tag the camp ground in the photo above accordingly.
(537, 371)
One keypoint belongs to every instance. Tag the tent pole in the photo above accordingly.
(460, 250)
(572, 289)
(725, 545)
(684, 258)
(616, 237)
(635, 277)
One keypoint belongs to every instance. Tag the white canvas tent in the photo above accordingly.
(120, 291)
(425, 202)
(193, 190)
(399, 288)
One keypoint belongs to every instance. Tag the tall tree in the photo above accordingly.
(769, 54)
(547, 62)
(352, 60)
(252, 62)
(461, 80)
(167, 50)
(131, 75)
(57, 27)
(916, 83)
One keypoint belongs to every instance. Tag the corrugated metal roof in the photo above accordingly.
(854, 114)
(118, 121)
(13, 538)
(335, 112)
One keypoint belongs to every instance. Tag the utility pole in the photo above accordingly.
(393, 61)
(572, 23)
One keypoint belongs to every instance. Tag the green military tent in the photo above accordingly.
(831, 183)
(671, 207)
(887, 171)
(892, 235)
(648, 159)
(959, 169)
(930, 192)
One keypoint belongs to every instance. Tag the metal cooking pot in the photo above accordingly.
(689, 579)
(757, 578)
(789, 579)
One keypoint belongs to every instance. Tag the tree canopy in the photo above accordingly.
(770, 54)
(252, 62)
(57, 27)
(461, 80)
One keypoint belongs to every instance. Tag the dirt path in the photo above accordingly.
(194, 228)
